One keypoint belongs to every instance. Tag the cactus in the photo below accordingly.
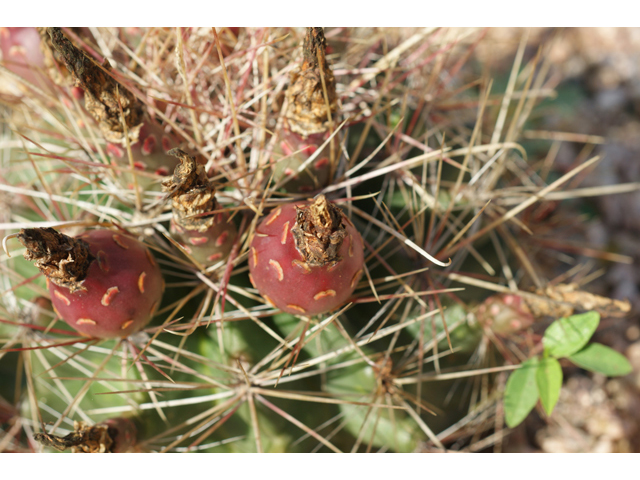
(384, 314)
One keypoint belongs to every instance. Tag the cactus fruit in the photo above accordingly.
(21, 52)
(103, 284)
(306, 258)
(115, 435)
(310, 117)
(504, 314)
(149, 152)
(110, 103)
(207, 237)
(29, 53)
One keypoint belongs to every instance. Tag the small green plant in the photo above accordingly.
(540, 378)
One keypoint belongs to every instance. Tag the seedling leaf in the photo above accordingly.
(602, 359)
(521, 393)
(549, 381)
(566, 336)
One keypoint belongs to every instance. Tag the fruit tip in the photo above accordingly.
(314, 48)
(308, 108)
(62, 259)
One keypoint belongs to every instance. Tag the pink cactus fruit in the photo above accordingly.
(207, 237)
(28, 52)
(311, 100)
(103, 284)
(504, 314)
(109, 102)
(21, 53)
(115, 435)
(295, 150)
(306, 258)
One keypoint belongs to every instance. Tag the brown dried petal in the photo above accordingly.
(103, 95)
(307, 108)
(83, 439)
(318, 232)
(192, 193)
(561, 301)
(64, 260)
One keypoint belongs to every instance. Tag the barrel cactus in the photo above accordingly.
(276, 240)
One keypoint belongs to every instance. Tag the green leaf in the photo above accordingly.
(549, 381)
(602, 359)
(566, 336)
(521, 393)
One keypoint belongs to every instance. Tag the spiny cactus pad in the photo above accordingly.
(103, 284)
(306, 258)
(429, 157)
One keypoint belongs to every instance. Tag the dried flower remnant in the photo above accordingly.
(115, 435)
(563, 300)
(318, 232)
(54, 61)
(63, 260)
(307, 108)
(104, 97)
(207, 237)
(310, 117)
(110, 103)
(307, 257)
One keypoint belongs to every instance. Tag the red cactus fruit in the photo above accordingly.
(207, 237)
(306, 258)
(119, 114)
(115, 435)
(504, 314)
(306, 121)
(103, 284)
